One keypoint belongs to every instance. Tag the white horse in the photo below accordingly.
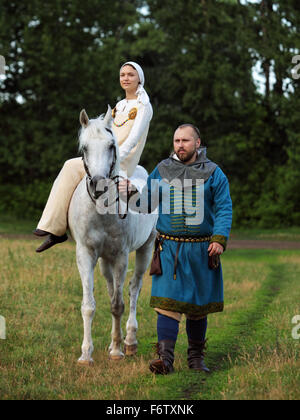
(107, 236)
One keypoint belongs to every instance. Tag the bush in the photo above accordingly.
(24, 201)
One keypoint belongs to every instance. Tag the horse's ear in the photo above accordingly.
(83, 118)
(108, 117)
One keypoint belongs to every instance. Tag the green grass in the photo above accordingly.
(250, 351)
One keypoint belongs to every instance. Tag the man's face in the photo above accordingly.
(185, 144)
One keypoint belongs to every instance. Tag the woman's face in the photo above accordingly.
(129, 79)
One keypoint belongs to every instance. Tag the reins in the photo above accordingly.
(88, 178)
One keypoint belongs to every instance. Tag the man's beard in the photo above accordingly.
(185, 157)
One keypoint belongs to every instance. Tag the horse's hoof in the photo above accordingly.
(130, 350)
(85, 362)
(116, 357)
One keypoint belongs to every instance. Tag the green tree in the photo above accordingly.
(62, 56)
(199, 58)
(203, 55)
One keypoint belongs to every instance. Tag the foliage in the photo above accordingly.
(199, 58)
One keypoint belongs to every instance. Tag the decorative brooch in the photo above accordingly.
(131, 116)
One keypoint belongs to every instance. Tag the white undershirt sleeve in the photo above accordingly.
(141, 123)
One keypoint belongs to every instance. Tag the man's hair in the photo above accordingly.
(196, 129)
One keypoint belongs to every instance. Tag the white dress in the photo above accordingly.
(131, 134)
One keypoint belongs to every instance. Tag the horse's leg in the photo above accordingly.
(106, 271)
(119, 269)
(86, 261)
(142, 260)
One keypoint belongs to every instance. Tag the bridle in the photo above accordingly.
(115, 178)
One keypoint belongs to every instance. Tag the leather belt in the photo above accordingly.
(185, 239)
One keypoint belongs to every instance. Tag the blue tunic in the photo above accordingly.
(197, 289)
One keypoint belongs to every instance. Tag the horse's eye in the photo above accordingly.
(110, 132)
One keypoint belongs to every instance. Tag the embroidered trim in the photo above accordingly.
(220, 239)
(173, 305)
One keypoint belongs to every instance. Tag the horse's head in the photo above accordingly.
(99, 149)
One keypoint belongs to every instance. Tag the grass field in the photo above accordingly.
(251, 351)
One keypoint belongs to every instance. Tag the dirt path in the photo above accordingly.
(262, 244)
(232, 243)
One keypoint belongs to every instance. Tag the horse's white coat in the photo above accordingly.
(108, 237)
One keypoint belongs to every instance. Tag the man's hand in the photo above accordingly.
(215, 249)
(126, 188)
(123, 185)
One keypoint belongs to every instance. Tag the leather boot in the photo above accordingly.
(50, 241)
(196, 355)
(39, 232)
(164, 364)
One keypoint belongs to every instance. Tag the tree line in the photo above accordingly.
(202, 61)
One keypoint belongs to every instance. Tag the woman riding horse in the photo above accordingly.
(131, 120)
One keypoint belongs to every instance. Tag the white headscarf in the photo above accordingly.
(142, 95)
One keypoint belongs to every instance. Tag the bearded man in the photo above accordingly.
(186, 270)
